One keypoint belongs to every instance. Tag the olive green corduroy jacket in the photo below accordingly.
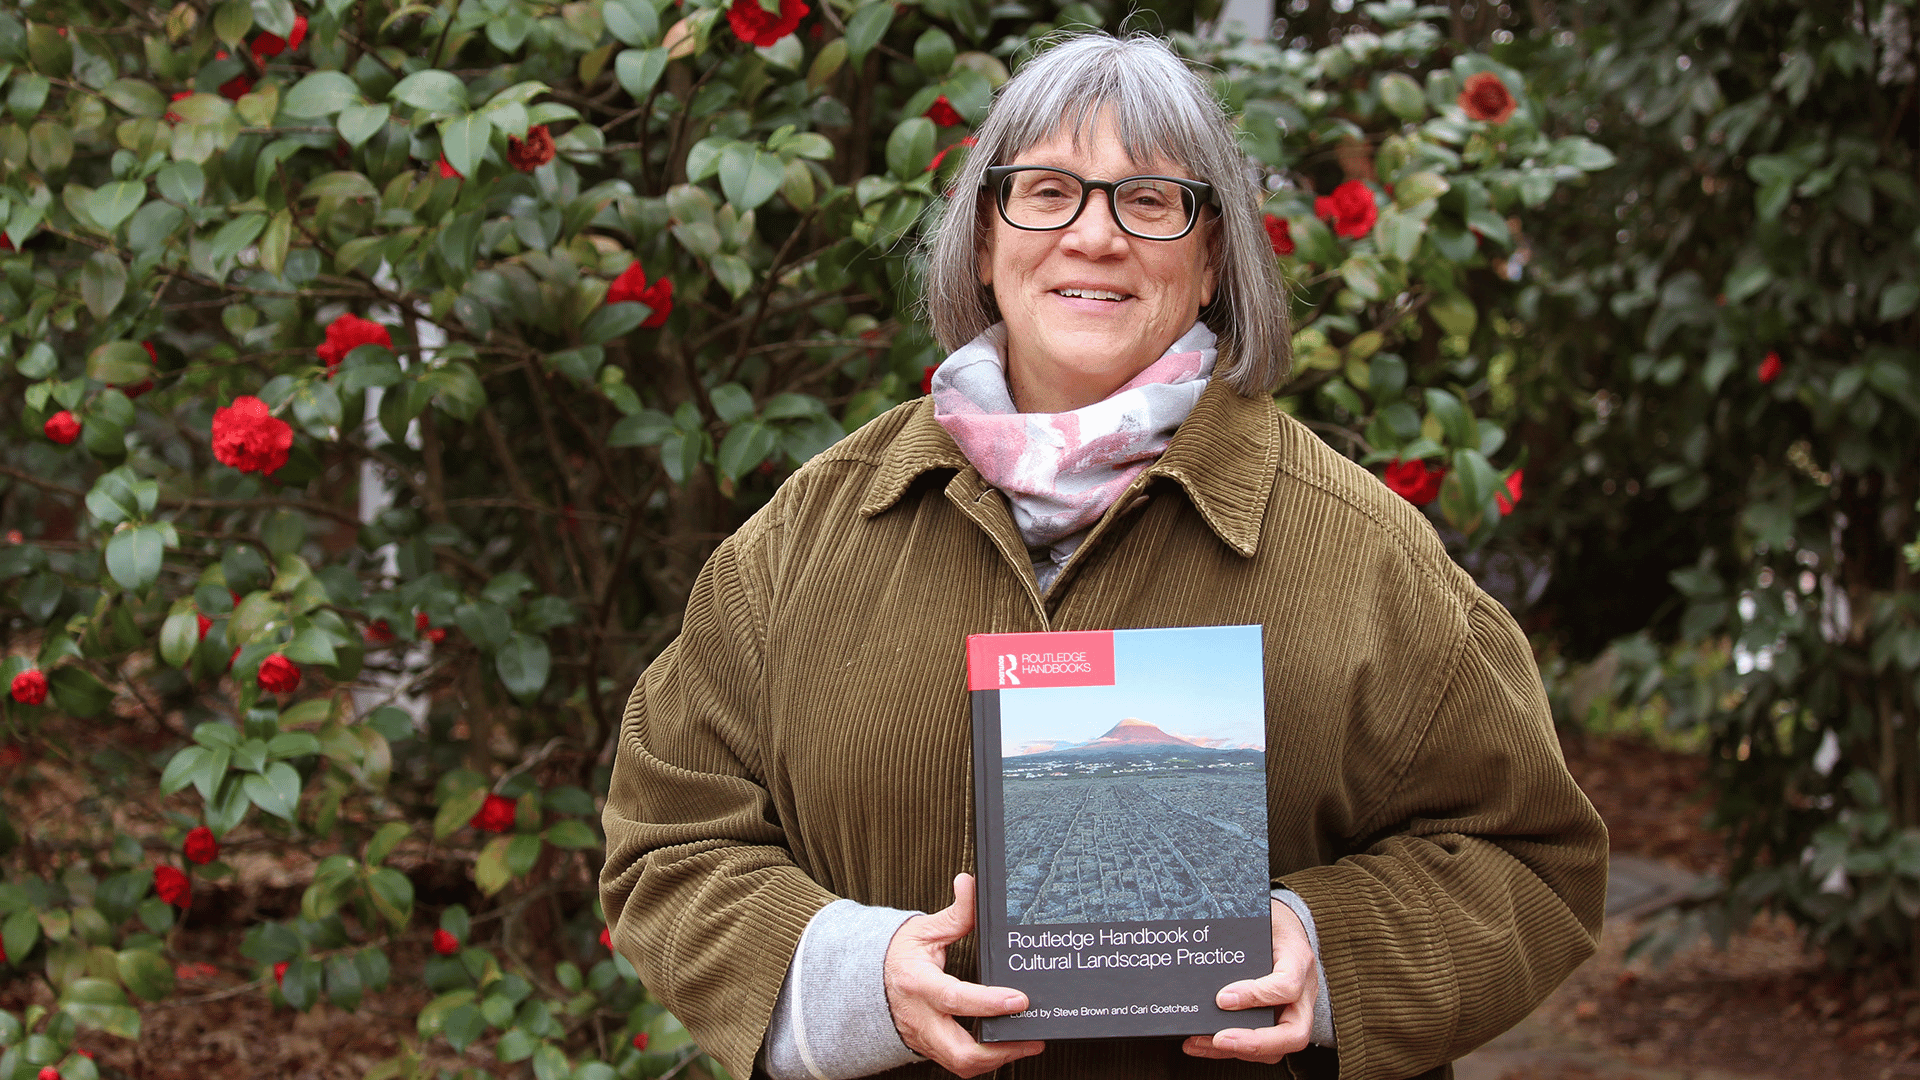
(807, 735)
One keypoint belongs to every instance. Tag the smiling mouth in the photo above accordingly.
(1091, 294)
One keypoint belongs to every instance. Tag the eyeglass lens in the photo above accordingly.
(1045, 199)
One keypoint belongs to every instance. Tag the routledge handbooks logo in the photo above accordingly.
(1010, 669)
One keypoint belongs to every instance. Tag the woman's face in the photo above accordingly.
(1088, 307)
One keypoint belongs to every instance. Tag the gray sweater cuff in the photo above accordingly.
(832, 1021)
(1322, 1034)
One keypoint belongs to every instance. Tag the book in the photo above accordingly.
(1120, 794)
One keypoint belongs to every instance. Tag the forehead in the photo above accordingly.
(1098, 145)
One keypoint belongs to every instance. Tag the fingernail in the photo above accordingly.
(1010, 1003)
(1229, 1001)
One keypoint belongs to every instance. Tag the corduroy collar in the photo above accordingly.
(1224, 457)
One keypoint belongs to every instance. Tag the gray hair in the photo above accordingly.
(1162, 110)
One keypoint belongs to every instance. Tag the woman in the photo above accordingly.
(1100, 451)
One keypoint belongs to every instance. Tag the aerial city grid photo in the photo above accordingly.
(1146, 799)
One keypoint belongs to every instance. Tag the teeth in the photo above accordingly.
(1092, 294)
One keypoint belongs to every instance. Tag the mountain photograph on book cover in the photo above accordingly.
(1141, 801)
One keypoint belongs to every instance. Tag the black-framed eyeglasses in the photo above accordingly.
(1038, 198)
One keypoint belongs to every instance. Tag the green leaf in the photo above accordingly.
(613, 321)
(910, 147)
(1454, 418)
(638, 70)
(321, 94)
(731, 402)
(339, 185)
(490, 871)
(232, 20)
(485, 623)
(457, 811)
(119, 363)
(1745, 280)
(572, 834)
(434, 91)
(311, 646)
(648, 427)
(181, 768)
(293, 744)
(523, 850)
(277, 791)
(464, 142)
(78, 693)
(179, 635)
(20, 933)
(866, 28)
(633, 22)
(1898, 300)
(523, 663)
(49, 146)
(385, 840)
(133, 557)
(358, 123)
(750, 176)
(745, 447)
(274, 16)
(146, 973)
(392, 895)
(1402, 96)
(103, 282)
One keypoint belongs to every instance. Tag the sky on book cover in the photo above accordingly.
(1201, 684)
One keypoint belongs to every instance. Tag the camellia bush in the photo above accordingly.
(377, 376)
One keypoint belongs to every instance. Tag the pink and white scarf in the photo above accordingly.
(1062, 470)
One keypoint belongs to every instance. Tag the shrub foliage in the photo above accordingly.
(378, 374)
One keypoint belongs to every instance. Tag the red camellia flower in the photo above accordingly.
(379, 632)
(641, 1040)
(62, 428)
(1769, 371)
(172, 885)
(201, 848)
(532, 152)
(48, 1072)
(173, 117)
(236, 88)
(247, 436)
(756, 25)
(1280, 234)
(426, 628)
(29, 687)
(447, 171)
(445, 943)
(606, 938)
(205, 623)
(1505, 499)
(496, 814)
(1415, 481)
(631, 288)
(347, 333)
(1485, 97)
(1350, 209)
(926, 378)
(280, 973)
(6, 242)
(10, 755)
(279, 675)
(943, 113)
(267, 45)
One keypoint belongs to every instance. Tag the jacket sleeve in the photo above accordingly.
(699, 884)
(1479, 878)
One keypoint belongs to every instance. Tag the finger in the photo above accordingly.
(954, 921)
(940, 1039)
(1267, 1044)
(1269, 991)
(955, 997)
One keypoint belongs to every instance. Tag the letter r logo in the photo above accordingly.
(1009, 668)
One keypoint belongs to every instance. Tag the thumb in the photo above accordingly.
(954, 921)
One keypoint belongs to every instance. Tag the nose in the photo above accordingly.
(1095, 232)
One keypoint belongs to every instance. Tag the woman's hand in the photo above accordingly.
(924, 999)
(1289, 990)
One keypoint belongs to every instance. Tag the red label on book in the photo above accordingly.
(1023, 661)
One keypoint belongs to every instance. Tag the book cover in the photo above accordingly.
(1120, 788)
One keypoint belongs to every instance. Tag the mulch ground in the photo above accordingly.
(1764, 1008)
